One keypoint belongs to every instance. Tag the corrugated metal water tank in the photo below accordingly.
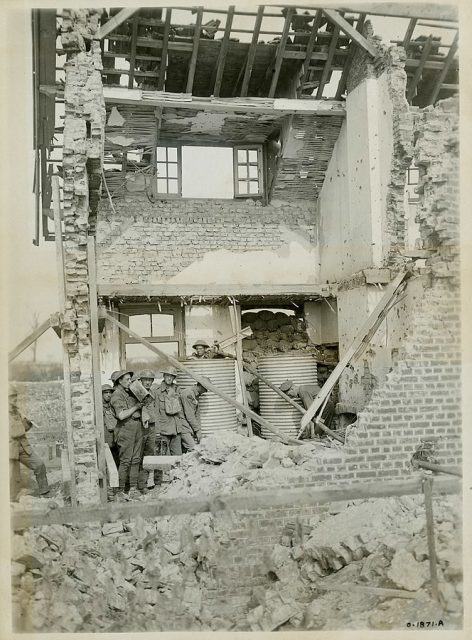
(216, 414)
(297, 366)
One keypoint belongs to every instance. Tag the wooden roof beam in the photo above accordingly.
(309, 50)
(223, 51)
(425, 11)
(409, 32)
(252, 52)
(327, 67)
(165, 45)
(350, 57)
(445, 69)
(194, 56)
(113, 23)
(132, 60)
(410, 94)
(349, 30)
(279, 56)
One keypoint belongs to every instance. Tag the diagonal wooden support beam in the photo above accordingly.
(350, 57)
(32, 337)
(410, 94)
(357, 37)
(365, 333)
(113, 23)
(409, 33)
(223, 51)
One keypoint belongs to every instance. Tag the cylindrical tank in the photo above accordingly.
(300, 367)
(216, 415)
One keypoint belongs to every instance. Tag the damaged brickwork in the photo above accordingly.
(145, 243)
(83, 150)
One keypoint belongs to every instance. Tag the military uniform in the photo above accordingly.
(149, 437)
(21, 453)
(168, 426)
(307, 393)
(191, 426)
(128, 436)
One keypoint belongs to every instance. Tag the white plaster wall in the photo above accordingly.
(352, 202)
(208, 323)
(321, 321)
(354, 307)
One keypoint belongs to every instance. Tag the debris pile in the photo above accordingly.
(230, 461)
(362, 553)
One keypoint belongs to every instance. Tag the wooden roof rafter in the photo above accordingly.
(350, 57)
(165, 44)
(349, 30)
(309, 50)
(327, 67)
(252, 52)
(194, 56)
(445, 69)
(223, 51)
(280, 53)
(411, 91)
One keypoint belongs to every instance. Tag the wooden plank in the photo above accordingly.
(327, 66)
(65, 355)
(411, 63)
(252, 51)
(367, 330)
(28, 341)
(112, 471)
(279, 56)
(165, 45)
(350, 57)
(179, 365)
(413, 83)
(132, 60)
(357, 37)
(445, 69)
(409, 32)
(208, 290)
(96, 369)
(66, 475)
(309, 50)
(223, 51)
(231, 502)
(235, 311)
(113, 23)
(433, 560)
(452, 471)
(425, 11)
(368, 591)
(158, 462)
(194, 56)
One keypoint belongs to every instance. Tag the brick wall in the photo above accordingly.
(144, 242)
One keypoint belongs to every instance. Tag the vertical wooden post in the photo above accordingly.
(239, 360)
(97, 384)
(428, 504)
(65, 356)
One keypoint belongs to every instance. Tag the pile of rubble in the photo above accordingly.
(227, 462)
(338, 573)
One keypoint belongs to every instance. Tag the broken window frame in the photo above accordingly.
(127, 310)
(260, 171)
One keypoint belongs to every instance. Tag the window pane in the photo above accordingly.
(252, 155)
(141, 324)
(162, 169)
(253, 172)
(253, 187)
(242, 186)
(162, 186)
(162, 324)
(242, 171)
(172, 170)
(173, 186)
(140, 357)
(161, 154)
(242, 155)
(172, 154)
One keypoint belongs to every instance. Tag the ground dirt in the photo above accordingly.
(129, 576)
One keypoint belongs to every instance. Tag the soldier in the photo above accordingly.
(203, 351)
(191, 426)
(128, 432)
(148, 415)
(20, 450)
(109, 425)
(307, 393)
(169, 413)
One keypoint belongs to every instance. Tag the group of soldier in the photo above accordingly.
(166, 420)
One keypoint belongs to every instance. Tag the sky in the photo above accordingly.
(30, 272)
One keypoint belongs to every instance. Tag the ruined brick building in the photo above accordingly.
(327, 196)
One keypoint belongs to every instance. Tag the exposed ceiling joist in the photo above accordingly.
(114, 22)
(425, 11)
(357, 37)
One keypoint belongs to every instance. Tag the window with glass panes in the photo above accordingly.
(248, 171)
(168, 165)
